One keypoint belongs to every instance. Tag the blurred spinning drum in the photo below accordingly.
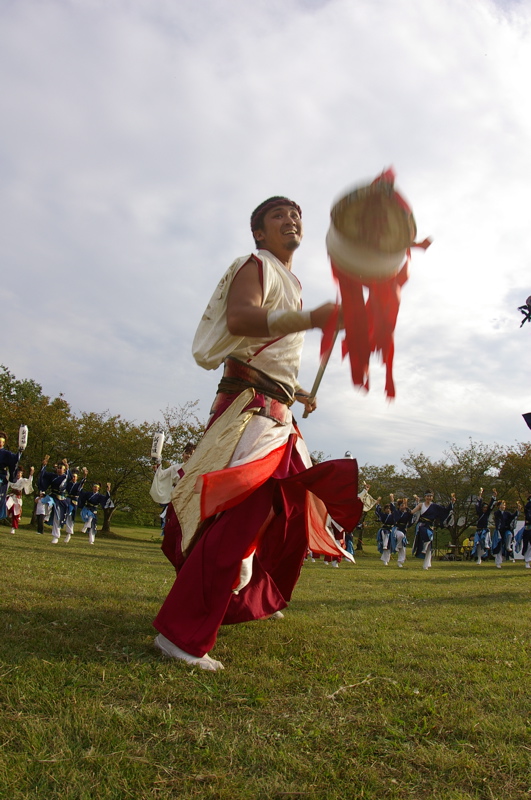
(371, 230)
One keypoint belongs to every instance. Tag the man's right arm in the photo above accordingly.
(247, 317)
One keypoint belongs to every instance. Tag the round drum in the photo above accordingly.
(370, 231)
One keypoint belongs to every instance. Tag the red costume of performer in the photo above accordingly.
(240, 520)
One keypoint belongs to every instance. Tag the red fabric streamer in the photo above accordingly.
(370, 322)
(370, 325)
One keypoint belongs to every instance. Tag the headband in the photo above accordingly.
(271, 202)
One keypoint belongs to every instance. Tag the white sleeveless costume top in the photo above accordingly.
(279, 358)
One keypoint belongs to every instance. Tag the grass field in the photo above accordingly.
(379, 683)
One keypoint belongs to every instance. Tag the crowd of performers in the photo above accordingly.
(395, 520)
(495, 534)
(59, 495)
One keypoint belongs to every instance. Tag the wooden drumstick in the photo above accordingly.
(320, 373)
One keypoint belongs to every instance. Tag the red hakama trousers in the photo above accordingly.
(273, 520)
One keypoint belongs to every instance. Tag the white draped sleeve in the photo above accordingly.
(163, 482)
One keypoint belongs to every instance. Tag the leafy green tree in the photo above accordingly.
(180, 425)
(50, 421)
(515, 472)
(115, 451)
(385, 480)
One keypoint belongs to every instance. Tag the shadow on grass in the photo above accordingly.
(79, 546)
(481, 601)
(58, 634)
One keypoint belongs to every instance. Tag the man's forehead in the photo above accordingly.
(282, 207)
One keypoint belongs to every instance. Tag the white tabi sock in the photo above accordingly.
(171, 650)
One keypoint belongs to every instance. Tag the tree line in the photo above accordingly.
(116, 450)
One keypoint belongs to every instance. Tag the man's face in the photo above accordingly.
(60, 469)
(281, 231)
(96, 488)
(2, 442)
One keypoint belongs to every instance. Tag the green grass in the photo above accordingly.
(379, 683)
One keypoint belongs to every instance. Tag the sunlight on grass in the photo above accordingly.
(379, 683)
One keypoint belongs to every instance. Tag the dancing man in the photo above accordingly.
(237, 527)
(430, 514)
(89, 502)
(385, 537)
(482, 538)
(54, 485)
(73, 489)
(503, 536)
(403, 517)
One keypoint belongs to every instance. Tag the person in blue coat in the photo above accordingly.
(403, 517)
(385, 538)
(428, 515)
(73, 488)
(89, 503)
(482, 537)
(503, 536)
(54, 485)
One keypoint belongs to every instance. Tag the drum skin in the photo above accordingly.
(370, 232)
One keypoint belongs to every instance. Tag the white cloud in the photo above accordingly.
(139, 136)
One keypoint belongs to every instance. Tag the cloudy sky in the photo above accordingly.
(138, 135)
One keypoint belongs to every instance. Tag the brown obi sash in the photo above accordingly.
(272, 399)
